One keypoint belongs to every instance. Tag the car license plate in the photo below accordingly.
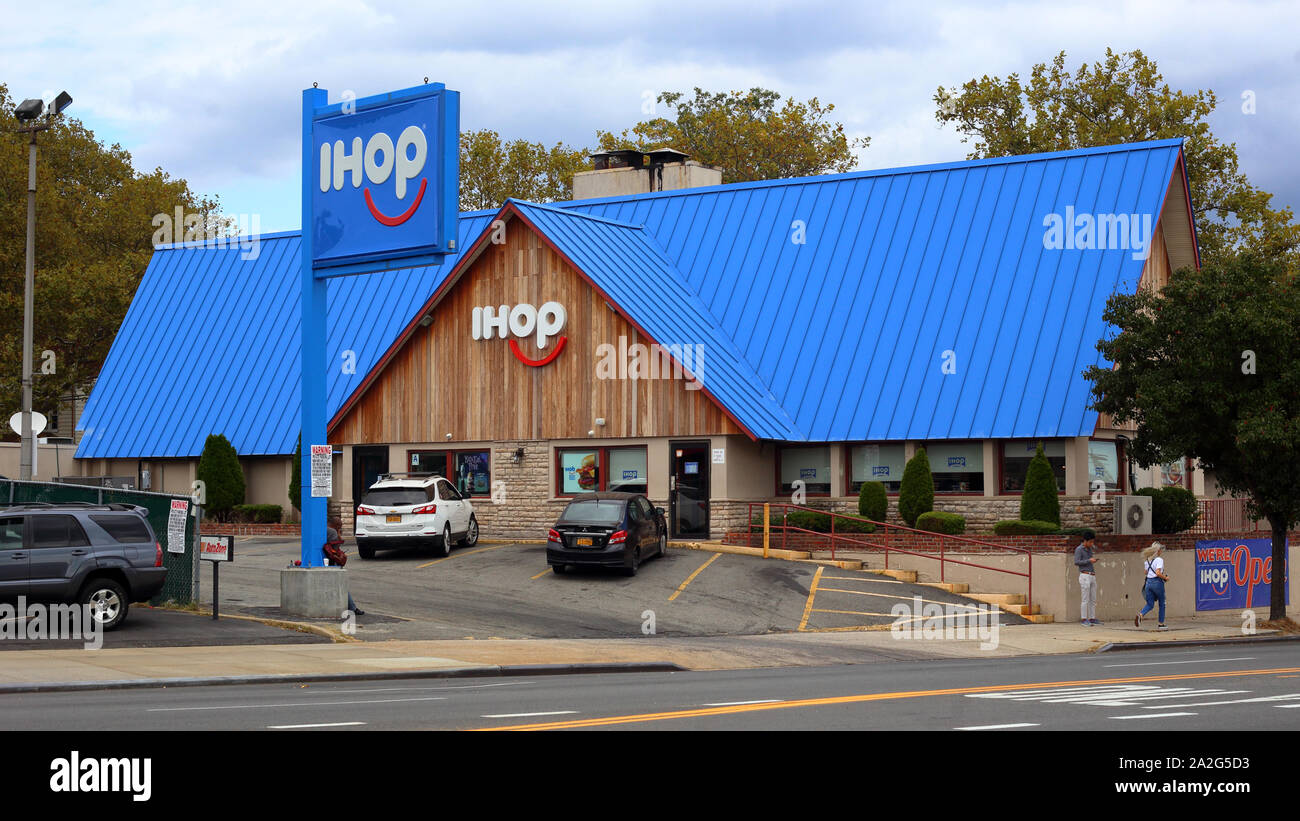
(584, 541)
(394, 517)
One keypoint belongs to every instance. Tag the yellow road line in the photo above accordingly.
(539, 575)
(458, 555)
(868, 697)
(691, 577)
(812, 593)
(864, 579)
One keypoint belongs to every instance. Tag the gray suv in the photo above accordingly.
(105, 556)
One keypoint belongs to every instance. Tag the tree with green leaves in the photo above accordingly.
(873, 501)
(916, 490)
(1209, 368)
(222, 476)
(750, 135)
(1039, 501)
(94, 237)
(1123, 99)
(493, 170)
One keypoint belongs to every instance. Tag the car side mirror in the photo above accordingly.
(659, 510)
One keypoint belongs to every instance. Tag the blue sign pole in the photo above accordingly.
(313, 347)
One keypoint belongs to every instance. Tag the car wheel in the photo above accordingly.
(106, 600)
(663, 544)
(559, 569)
(364, 550)
(471, 535)
(444, 549)
(636, 563)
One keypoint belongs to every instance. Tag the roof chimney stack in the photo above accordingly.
(630, 171)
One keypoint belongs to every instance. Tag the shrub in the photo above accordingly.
(222, 476)
(916, 492)
(873, 501)
(260, 514)
(1021, 527)
(816, 522)
(1076, 531)
(1173, 509)
(1039, 502)
(939, 522)
(295, 477)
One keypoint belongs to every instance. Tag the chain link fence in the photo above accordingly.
(182, 568)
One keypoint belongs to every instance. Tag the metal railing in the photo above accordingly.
(870, 541)
(1226, 516)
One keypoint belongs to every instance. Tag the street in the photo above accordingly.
(1255, 687)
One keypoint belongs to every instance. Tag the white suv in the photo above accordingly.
(405, 509)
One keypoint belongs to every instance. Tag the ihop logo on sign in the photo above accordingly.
(383, 179)
(522, 321)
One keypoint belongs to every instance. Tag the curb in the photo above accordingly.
(1147, 645)
(455, 672)
(334, 635)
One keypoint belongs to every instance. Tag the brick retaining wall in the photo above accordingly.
(922, 543)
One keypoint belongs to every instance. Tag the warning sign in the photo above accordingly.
(176, 525)
(322, 470)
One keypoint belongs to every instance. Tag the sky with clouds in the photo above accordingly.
(212, 92)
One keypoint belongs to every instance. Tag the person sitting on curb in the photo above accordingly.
(334, 536)
(1086, 562)
(1154, 559)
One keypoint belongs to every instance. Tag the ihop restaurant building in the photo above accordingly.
(709, 345)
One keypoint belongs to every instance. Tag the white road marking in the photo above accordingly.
(421, 689)
(739, 703)
(308, 726)
(1287, 706)
(292, 704)
(1109, 695)
(1193, 661)
(1152, 715)
(996, 727)
(1291, 697)
(531, 715)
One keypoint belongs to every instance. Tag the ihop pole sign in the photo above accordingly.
(380, 191)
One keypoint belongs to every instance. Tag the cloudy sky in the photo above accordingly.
(212, 92)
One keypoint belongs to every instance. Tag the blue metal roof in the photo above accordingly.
(840, 337)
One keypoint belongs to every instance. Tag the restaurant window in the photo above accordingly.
(957, 467)
(468, 470)
(1103, 466)
(812, 466)
(584, 470)
(876, 463)
(1015, 463)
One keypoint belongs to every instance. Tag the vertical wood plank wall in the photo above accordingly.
(444, 381)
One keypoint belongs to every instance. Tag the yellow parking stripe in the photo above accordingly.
(868, 697)
(888, 596)
(812, 594)
(466, 553)
(691, 577)
(872, 580)
(539, 575)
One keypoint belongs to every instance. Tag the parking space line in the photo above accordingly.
(864, 579)
(466, 553)
(972, 607)
(691, 577)
(850, 612)
(539, 575)
(812, 594)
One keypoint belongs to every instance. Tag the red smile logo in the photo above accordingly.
(402, 217)
(537, 363)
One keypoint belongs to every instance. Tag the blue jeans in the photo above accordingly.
(1155, 590)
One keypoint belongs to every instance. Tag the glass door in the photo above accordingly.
(688, 490)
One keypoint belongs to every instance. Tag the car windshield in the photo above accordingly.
(392, 496)
(594, 511)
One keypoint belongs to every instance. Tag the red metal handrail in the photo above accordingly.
(1225, 516)
(856, 539)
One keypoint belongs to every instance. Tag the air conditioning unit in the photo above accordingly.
(1133, 515)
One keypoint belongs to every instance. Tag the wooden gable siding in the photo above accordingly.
(444, 381)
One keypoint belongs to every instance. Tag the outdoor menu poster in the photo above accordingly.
(322, 470)
(176, 525)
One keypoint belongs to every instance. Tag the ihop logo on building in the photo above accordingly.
(384, 177)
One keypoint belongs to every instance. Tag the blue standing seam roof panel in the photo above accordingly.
(840, 337)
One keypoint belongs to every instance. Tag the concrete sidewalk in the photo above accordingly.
(233, 664)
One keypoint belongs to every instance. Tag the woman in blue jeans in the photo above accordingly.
(1154, 561)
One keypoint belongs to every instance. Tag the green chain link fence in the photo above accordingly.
(181, 567)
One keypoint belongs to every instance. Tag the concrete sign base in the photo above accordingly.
(317, 593)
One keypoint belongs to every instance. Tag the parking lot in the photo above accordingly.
(506, 591)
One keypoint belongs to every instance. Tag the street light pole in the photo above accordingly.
(27, 112)
(25, 468)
